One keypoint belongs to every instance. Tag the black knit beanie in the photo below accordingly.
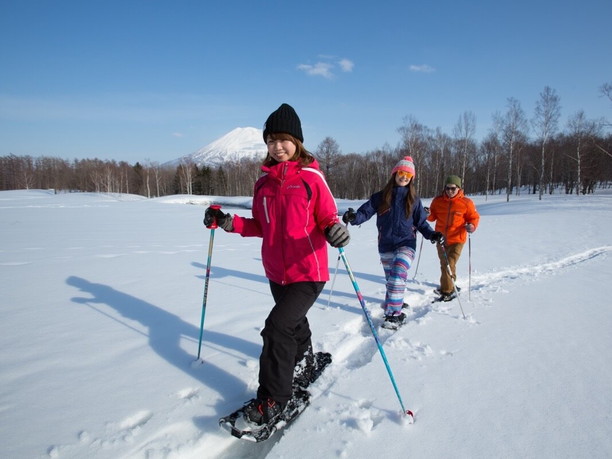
(283, 120)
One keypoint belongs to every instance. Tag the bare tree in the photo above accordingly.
(414, 142)
(464, 132)
(413, 137)
(186, 176)
(328, 154)
(581, 130)
(26, 173)
(492, 149)
(157, 177)
(442, 144)
(606, 90)
(545, 123)
(514, 131)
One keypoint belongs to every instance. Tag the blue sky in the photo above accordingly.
(155, 80)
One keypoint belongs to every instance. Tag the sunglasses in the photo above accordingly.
(404, 174)
(451, 188)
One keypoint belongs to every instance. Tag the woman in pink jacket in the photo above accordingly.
(296, 216)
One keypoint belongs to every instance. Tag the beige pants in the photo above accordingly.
(453, 252)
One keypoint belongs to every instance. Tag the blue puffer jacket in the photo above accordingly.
(394, 229)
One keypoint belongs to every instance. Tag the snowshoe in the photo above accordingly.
(393, 322)
(438, 292)
(243, 423)
(445, 297)
(240, 426)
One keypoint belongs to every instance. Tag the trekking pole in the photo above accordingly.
(333, 282)
(416, 269)
(469, 267)
(334, 279)
(450, 273)
(212, 228)
(376, 338)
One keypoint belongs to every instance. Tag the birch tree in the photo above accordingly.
(185, 170)
(492, 150)
(545, 123)
(441, 144)
(464, 133)
(414, 141)
(581, 130)
(514, 131)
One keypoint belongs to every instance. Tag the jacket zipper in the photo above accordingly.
(450, 205)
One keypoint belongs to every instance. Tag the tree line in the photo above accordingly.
(518, 154)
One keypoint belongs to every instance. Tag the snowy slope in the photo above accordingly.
(100, 311)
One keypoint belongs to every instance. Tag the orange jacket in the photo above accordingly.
(451, 216)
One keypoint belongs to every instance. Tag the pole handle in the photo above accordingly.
(214, 225)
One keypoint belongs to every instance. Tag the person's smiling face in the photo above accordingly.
(281, 150)
(402, 178)
(451, 190)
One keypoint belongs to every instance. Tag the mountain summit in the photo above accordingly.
(240, 143)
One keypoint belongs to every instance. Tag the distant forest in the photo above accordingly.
(517, 155)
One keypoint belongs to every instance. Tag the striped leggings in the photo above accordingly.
(396, 265)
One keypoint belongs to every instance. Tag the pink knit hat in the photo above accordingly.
(405, 164)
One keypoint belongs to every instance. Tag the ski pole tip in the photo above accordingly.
(405, 418)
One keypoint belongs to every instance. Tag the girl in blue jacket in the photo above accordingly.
(399, 215)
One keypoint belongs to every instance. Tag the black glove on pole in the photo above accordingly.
(349, 216)
(337, 235)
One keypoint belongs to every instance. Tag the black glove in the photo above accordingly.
(438, 237)
(337, 235)
(213, 215)
(349, 216)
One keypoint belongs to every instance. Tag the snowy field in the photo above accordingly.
(101, 300)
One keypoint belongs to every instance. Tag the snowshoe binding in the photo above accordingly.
(263, 411)
(395, 321)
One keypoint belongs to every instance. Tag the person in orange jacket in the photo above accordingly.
(455, 217)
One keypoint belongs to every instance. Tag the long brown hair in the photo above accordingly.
(387, 194)
(301, 155)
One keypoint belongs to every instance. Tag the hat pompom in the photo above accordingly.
(283, 120)
(405, 164)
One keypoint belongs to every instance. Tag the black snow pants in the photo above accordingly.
(286, 337)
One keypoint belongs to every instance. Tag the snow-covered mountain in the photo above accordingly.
(240, 143)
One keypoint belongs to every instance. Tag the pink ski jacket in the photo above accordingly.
(292, 207)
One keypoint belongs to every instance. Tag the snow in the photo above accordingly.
(100, 313)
